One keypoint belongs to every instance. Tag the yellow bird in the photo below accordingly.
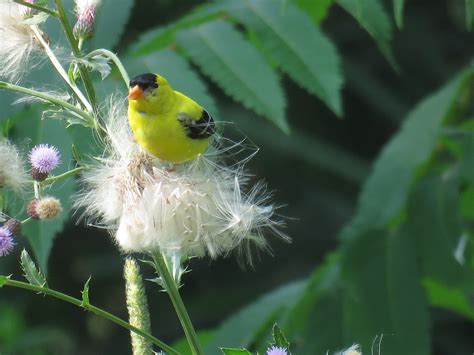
(166, 122)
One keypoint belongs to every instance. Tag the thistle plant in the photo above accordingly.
(204, 208)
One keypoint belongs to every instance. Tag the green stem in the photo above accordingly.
(98, 311)
(173, 292)
(77, 52)
(72, 172)
(52, 99)
(59, 68)
(115, 59)
(37, 7)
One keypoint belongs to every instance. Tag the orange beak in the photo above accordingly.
(135, 93)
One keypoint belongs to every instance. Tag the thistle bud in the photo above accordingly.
(6, 241)
(26, 11)
(43, 159)
(85, 12)
(13, 225)
(48, 208)
(31, 208)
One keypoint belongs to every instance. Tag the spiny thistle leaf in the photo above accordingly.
(279, 338)
(234, 64)
(32, 273)
(314, 63)
(85, 294)
(3, 280)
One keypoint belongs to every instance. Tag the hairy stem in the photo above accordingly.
(60, 68)
(172, 290)
(52, 179)
(52, 99)
(115, 59)
(96, 310)
(77, 53)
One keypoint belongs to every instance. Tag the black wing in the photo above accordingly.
(200, 129)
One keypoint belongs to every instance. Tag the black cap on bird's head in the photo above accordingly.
(141, 83)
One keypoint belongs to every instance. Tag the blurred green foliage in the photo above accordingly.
(399, 272)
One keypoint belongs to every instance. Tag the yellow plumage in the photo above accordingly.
(165, 122)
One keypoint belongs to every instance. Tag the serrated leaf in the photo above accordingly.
(469, 13)
(100, 64)
(40, 234)
(235, 65)
(179, 74)
(313, 63)
(32, 273)
(318, 10)
(162, 37)
(112, 16)
(239, 330)
(36, 19)
(3, 280)
(279, 338)
(85, 294)
(398, 6)
(374, 19)
(450, 298)
(229, 351)
(385, 191)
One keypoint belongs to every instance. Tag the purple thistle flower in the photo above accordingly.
(276, 350)
(44, 158)
(6, 241)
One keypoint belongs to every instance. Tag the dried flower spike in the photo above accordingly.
(85, 12)
(43, 159)
(6, 241)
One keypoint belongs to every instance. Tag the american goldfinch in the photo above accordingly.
(165, 122)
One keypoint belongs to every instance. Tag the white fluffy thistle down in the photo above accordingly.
(194, 209)
(17, 41)
(12, 168)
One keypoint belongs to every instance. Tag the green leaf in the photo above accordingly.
(318, 10)
(407, 300)
(320, 303)
(179, 74)
(386, 190)
(436, 226)
(374, 19)
(313, 62)
(398, 6)
(240, 329)
(110, 23)
(85, 294)
(162, 37)
(32, 273)
(229, 351)
(41, 234)
(467, 203)
(234, 64)
(449, 298)
(279, 338)
(469, 14)
(3, 280)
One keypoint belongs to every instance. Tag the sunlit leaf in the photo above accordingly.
(398, 6)
(318, 10)
(313, 63)
(237, 67)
